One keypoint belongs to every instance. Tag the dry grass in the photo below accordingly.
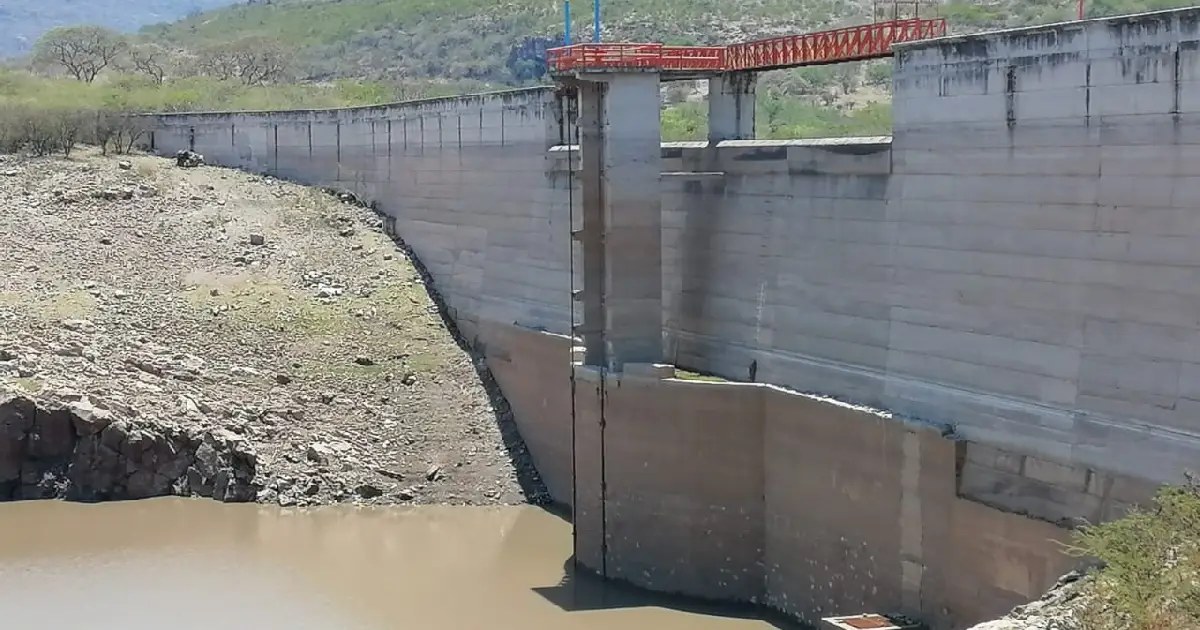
(147, 169)
(52, 306)
(696, 376)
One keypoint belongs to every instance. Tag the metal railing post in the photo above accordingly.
(596, 21)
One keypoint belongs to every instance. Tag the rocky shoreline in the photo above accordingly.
(70, 449)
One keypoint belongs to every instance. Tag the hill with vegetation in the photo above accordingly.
(279, 54)
(22, 22)
(504, 41)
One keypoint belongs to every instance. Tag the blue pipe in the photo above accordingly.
(596, 20)
(567, 22)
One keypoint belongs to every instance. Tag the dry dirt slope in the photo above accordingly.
(219, 300)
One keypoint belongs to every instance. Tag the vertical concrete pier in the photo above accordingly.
(731, 103)
(591, 235)
(621, 235)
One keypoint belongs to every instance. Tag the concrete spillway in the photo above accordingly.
(1013, 271)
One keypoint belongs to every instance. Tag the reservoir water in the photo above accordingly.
(199, 565)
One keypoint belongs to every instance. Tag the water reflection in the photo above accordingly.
(190, 564)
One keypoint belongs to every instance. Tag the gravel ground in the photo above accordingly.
(238, 302)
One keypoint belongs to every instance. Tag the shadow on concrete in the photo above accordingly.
(532, 486)
(561, 510)
(582, 591)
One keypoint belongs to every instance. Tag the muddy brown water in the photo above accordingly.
(199, 565)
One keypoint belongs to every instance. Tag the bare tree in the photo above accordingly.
(83, 51)
(251, 60)
(186, 63)
(119, 132)
(150, 60)
(848, 77)
(217, 62)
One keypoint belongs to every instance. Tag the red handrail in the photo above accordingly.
(867, 41)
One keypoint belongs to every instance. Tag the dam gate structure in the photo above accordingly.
(931, 354)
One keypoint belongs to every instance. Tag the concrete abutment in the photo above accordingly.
(1010, 276)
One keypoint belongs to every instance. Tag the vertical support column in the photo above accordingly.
(731, 104)
(632, 202)
(621, 150)
(591, 234)
(621, 236)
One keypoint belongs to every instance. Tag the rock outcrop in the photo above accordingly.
(1053, 611)
(73, 450)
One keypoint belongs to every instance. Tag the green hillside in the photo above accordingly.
(279, 54)
(494, 41)
(474, 38)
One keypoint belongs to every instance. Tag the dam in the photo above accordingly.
(926, 356)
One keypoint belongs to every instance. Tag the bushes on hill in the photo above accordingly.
(1150, 578)
(51, 115)
(41, 131)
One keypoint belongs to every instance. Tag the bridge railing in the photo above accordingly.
(593, 56)
(868, 41)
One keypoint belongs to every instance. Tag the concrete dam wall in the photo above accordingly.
(1011, 277)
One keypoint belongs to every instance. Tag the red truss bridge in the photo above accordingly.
(854, 43)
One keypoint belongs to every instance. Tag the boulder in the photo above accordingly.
(188, 159)
(75, 451)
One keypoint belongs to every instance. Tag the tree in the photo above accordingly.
(847, 76)
(771, 113)
(676, 93)
(251, 60)
(83, 51)
(1149, 563)
(880, 73)
(150, 60)
(816, 79)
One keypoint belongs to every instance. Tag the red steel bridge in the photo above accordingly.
(854, 43)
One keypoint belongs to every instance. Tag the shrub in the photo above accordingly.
(879, 73)
(40, 131)
(118, 131)
(1150, 575)
(42, 115)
